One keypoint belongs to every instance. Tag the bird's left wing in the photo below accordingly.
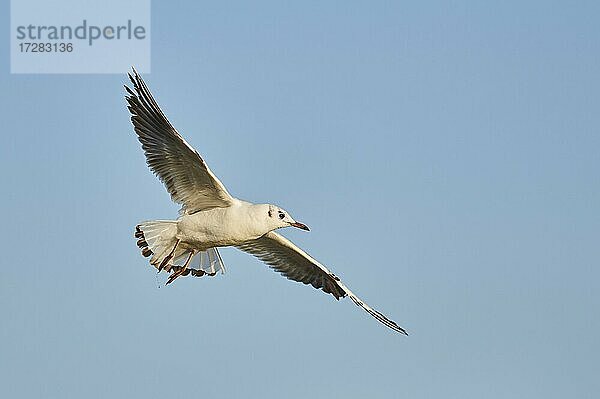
(283, 256)
(187, 177)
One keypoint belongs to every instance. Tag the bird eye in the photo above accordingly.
(270, 214)
(281, 216)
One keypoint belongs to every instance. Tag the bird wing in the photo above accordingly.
(283, 256)
(183, 171)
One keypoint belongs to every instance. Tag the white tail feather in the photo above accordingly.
(158, 239)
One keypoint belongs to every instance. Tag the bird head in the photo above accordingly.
(278, 218)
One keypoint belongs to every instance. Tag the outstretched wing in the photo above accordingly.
(183, 171)
(282, 255)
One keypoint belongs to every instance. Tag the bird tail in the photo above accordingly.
(158, 240)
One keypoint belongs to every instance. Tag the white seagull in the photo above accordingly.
(210, 217)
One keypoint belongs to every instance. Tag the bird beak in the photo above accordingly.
(300, 226)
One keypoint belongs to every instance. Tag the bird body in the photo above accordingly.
(211, 218)
(221, 227)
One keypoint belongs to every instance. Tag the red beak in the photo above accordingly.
(300, 226)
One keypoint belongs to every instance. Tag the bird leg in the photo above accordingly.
(178, 273)
(168, 257)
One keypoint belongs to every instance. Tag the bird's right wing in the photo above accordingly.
(183, 171)
(283, 256)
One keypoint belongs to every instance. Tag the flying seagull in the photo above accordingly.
(210, 217)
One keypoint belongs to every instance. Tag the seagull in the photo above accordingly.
(210, 217)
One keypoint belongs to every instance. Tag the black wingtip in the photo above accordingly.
(128, 90)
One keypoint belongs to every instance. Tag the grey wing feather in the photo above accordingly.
(283, 256)
(183, 171)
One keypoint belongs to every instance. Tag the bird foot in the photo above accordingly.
(174, 275)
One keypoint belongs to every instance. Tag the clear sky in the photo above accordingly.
(446, 156)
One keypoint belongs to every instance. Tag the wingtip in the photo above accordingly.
(397, 328)
(129, 91)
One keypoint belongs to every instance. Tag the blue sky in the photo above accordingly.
(444, 154)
